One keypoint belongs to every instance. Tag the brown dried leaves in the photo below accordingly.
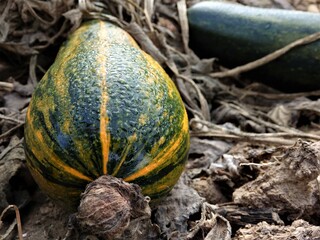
(28, 26)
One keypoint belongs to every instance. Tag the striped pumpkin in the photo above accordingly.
(105, 107)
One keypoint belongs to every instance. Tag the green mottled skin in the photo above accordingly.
(238, 34)
(105, 107)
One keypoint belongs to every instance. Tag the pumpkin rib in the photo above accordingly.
(42, 170)
(159, 159)
(68, 151)
(104, 120)
(161, 186)
(124, 154)
(159, 173)
(54, 159)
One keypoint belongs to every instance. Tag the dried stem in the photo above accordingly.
(268, 58)
(223, 133)
(10, 119)
(7, 133)
(5, 86)
(242, 138)
(17, 217)
(271, 125)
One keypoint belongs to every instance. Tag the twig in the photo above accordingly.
(258, 164)
(8, 149)
(268, 58)
(10, 119)
(203, 102)
(182, 12)
(17, 218)
(243, 138)
(148, 12)
(6, 86)
(223, 133)
(268, 124)
(278, 96)
(9, 230)
(7, 133)
(318, 183)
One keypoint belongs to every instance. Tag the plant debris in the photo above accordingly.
(253, 166)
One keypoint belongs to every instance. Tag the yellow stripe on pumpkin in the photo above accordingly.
(125, 152)
(38, 138)
(164, 156)
(165, 183)
(54, 159)
(57, 191)
(105, 137)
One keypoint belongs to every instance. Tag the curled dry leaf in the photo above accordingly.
(210, 226)
(23, 36)
(174, 212)
(204, 152)
(182, 12)
(16, 101)
(10, 164)
(282, 115)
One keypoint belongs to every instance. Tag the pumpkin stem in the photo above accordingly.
(109, 205)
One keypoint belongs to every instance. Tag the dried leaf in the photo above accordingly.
(11, 161)
(208, 189)
(15, 101)
(20, 48)
(207, 152)
(220, 230)
(75, 17)
(182, 12)
(210, 226)
(173, 213)
(281, 115)
(203, 66)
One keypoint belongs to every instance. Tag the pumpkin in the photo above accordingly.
(105, 107)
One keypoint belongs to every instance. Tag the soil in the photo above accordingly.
(253, 169)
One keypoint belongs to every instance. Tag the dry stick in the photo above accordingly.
(17, 217)
(7, 150)
(234, 91)
(5, 86)
(9, 230)
(250, 136)
(268, 58)
(148, 12)
(7, 133)
(243, 138)
(265, 123)
(278, 96)
(10, 119)
(203, 103)
(258, 164)
(182, 12)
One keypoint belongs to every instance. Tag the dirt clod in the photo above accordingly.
(287, 185)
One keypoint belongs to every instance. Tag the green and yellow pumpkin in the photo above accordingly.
(105, 107)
